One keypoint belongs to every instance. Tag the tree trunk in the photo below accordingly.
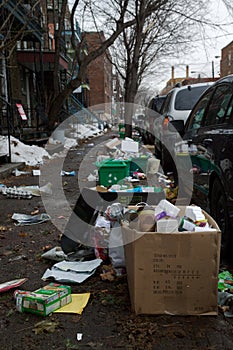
(130, 94)
(57, 103)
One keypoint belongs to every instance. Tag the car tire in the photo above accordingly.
(151, 139)
(168, 164)
(219, 211)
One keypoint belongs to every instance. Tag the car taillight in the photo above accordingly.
(165, 123)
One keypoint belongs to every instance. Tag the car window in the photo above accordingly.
(197, 115)
(158, 103)
(219, 110)
(187, 98)
(166, 103)
(229, 109)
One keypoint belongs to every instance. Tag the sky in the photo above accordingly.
(207, 51)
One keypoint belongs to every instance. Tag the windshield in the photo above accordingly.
(186, 99)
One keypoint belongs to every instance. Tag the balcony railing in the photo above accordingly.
(21, 13)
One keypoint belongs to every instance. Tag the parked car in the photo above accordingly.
(208, 138)
(152, 112)
(177, 106)
(181, 99)
(156, 103)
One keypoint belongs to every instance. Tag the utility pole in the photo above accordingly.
(213, 73)
(213, 69)
(5, 91)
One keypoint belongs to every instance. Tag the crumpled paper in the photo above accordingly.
(55, 254)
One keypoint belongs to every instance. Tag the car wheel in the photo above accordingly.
(218, 210)
(168, 164)
(151, 139)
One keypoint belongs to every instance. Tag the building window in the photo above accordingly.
(49, 4)
(50, 43)
(229, 58)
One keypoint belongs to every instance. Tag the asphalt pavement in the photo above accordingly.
(107, 321)
(7, 168)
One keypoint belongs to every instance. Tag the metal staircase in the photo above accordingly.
(80, 112)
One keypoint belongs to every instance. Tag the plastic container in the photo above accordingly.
(121, 130)
(138, 164)
(112, 171)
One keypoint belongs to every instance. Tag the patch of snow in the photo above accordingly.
(35, 155)
(30, 155)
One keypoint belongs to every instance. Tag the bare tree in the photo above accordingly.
(135, 22)
(141, 32)
(147, 29)
(229, 5)
(156, 34)
(84, 60)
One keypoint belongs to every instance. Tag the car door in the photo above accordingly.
(206, 131)
(158, 123)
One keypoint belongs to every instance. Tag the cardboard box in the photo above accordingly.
(173, 273)
(113, 143)
(43, 301)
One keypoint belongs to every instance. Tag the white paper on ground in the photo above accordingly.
(66, 276)
(67, 271)
(78, 266)
(36, 172)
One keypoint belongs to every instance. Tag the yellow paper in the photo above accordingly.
(79, 301)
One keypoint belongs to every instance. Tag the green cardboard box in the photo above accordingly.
(43, 301)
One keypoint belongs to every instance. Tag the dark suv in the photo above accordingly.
(208, 139)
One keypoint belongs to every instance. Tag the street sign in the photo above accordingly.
(21, 111)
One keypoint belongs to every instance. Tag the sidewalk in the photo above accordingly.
(7, 168)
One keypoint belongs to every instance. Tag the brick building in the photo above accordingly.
(100, 77)
(30, 64)
(226, 65)
(187, 80)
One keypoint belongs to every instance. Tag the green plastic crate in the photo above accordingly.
(112, 171)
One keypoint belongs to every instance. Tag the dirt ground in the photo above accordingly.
(107, 321)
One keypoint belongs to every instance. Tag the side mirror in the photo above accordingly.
(178, 125)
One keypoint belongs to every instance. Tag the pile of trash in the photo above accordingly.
(168, 218)
(107, 247)
(127, 166)
(106, 235)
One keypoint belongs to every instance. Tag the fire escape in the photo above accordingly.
(20, 26)
(27, 69)
(14, 16)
